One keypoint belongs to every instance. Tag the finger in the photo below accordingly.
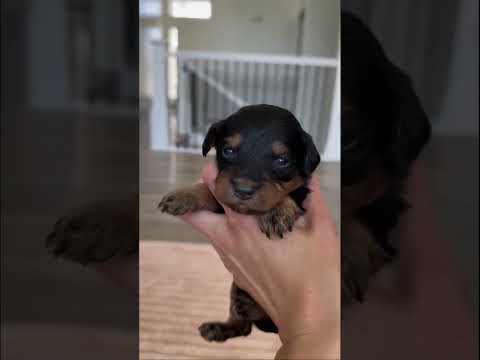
(315, 204)
(209, 174)
(207, 222)
(241, 222)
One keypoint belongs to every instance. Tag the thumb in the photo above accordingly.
(209, 174)
(205, 221)
(208, 223)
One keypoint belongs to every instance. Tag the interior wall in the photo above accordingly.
(264, 26)
(321, 32)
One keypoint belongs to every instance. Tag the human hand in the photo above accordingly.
(296, 279)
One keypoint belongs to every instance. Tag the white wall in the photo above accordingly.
(321, 34)
(265, 26)
(333, 145)
(459, 112)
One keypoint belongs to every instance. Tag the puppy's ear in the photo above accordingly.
(210, 138)
(410, 127)
(312, 157)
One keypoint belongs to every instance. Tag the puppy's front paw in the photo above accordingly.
(214, 331)
(221, 331)
(361, 258)
(179, 203)
(279, 220)
(96, 233)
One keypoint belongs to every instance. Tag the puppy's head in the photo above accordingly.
(262, 155)
(384, 127)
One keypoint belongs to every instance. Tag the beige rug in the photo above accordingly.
(181, 286)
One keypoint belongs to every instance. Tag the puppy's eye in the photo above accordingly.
(229, 152)
(281, 162)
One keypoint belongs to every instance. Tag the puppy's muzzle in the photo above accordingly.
(243, 189)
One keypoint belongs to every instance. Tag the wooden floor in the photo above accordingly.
(183, 285)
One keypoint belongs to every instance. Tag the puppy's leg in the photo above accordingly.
(361, 257)
(97, 232)
(243, 311)
(280, 219)
(193, 198)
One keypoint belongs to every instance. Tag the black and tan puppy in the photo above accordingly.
(384, 129)
(265, 160)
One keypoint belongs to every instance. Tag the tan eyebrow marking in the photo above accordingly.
(279, 149)
(234, 140)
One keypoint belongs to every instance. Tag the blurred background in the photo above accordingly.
(69, 136)
(437, 46)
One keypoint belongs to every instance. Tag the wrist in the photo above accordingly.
(310, 317)
(311, 332)
(319, 345)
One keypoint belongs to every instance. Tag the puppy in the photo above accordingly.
(265, 160)
(384, 129)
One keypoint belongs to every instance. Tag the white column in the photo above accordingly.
(332, 151)
(159, 112)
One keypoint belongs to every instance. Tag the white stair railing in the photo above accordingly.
(212, 85)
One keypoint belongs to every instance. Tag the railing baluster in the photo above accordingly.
(211, 93)
(271, 85)
(301, 93)
(181, 113)
(308, 98)
(242, 82)
(292, 88)
(261, 90)
(255, 95)
(286, 85)
(202, 94)
(226, 100)
(238, 79)
(317, 106)
(250, 83)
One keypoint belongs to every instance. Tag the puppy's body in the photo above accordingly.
(384, 129)
(265, 161)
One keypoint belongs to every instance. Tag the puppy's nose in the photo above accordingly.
(243, 188)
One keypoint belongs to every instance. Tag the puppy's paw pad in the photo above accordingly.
(94, 234)
(278, 221)
(214, 331)
(178, 203)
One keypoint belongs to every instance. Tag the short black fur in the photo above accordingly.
(384, 129)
